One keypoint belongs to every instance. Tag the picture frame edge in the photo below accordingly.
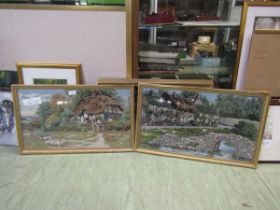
(256, 154)
(77, 66)
(24, 151)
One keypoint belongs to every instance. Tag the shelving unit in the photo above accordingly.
(220, 20)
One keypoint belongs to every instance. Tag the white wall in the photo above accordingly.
(96, 39)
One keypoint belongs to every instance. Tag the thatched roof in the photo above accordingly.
(175, 102)
(95, 104)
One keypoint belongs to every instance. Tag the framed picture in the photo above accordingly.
(49, 74)
(256, 16)
(7, 78)
(74, 119)
(270, 150)
(262, 70)
(221, 126)
(7, 122)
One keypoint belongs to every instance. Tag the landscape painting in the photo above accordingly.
(219, 125)
(75, 118)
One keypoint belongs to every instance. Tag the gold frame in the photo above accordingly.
(207, 159)
(21, 65)
(19, 129)
(246, 5)
(206, 83)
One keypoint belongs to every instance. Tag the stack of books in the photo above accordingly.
(156, 62)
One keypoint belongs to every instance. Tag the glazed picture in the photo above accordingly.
(7, 122)
(201, 124)
(7, 78)
(78, 118)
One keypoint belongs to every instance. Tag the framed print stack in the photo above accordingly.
(74, 119)
(49, 73)
(214, 125)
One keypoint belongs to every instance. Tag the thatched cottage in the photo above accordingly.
(97, 109)
(167, 109)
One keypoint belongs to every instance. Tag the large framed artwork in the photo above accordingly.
(74, 119)
(49, 73)
(260, 29)
(270, 150)
(214, 125)
(7, 122)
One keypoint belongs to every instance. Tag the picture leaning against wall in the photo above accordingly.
(74, 118)
(214, 125)
(7, 122)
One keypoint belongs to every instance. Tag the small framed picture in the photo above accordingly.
(7, 78)
(74, 119)
(7, 122)
(48, 73)
(270, 150)
(214, 125)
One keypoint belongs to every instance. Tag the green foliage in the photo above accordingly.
(52, 122)
(206, 106)
(44, 111)
(189, 94)
(118, 125)
(246, 129)
(73, 126)
(31, 126)
(239, 107)
(125, 115)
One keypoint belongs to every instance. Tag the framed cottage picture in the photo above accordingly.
(221, 126)
(7, 122)
(74, 119)
(49, 73)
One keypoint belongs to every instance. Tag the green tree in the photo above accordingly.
(246, 129)
(52, 122)
(44, 111)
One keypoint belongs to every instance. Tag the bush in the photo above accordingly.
(246, 129)
(73, 126)
(118, 125)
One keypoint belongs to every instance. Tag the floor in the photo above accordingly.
(131, 181)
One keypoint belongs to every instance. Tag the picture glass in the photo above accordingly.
(7, 78)
(49, 75)
(82, 118)
(7, 121)
(267, 22)
(204, 124)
